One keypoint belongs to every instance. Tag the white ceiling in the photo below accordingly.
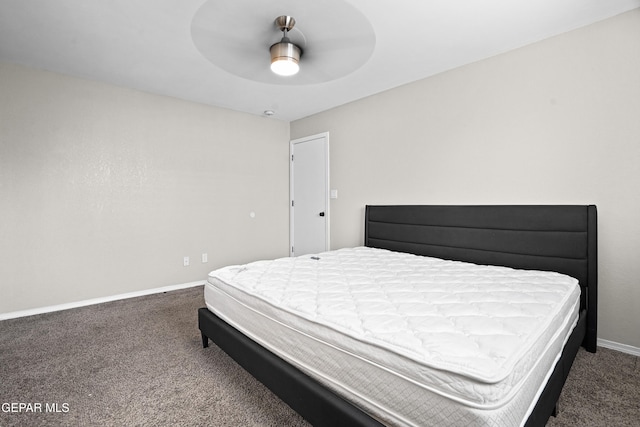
(160, 46)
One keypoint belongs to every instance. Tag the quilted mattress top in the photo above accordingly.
(478, 322)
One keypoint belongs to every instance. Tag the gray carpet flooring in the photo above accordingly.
(140, 362)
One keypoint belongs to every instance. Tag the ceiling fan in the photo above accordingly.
(323, 42)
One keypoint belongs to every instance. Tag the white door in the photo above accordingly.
(309, 194)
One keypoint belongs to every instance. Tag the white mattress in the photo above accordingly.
(412, 340)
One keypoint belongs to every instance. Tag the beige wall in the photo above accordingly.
(557, 122)
(104, 190)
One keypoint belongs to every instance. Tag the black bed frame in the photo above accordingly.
(541, 237)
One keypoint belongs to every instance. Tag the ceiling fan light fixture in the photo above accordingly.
(285, 57)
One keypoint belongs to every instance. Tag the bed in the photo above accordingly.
(558, 239)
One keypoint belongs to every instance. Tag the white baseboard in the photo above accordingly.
(629, 349)
(52, 308)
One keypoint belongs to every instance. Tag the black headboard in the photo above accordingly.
(560, 238)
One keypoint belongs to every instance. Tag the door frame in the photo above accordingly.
(327, 233)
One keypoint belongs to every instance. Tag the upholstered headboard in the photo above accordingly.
(560, 238)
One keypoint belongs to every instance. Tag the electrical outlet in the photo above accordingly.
(186, 261)
(205, 258)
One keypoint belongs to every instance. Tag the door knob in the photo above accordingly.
(321, 213)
